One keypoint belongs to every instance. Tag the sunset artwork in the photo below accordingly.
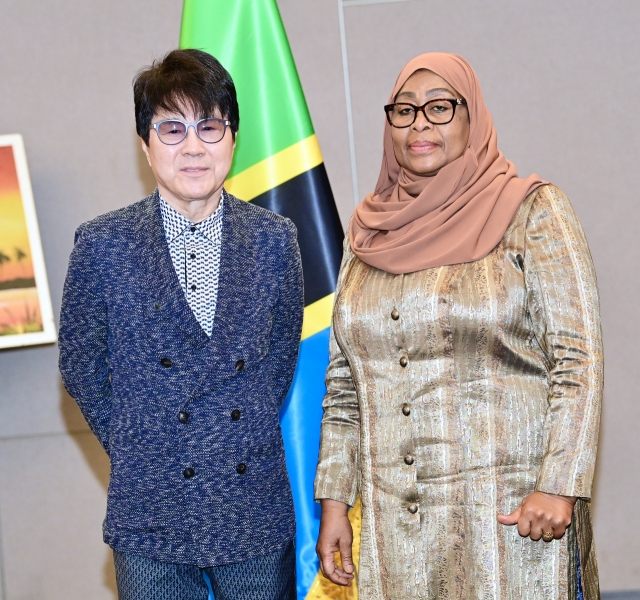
(25, 305)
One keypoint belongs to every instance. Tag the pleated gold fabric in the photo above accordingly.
(453, 393)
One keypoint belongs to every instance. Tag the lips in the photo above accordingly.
(194, 170)
(422, 146)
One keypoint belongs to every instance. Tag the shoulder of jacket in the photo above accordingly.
(120, 222)
(548, 198)
(258, 216)
(533, 203)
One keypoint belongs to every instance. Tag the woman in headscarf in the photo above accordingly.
(464, 388)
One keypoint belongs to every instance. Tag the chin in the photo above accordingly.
(200, 193)
(424, 170)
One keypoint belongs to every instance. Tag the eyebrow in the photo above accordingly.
(431, 92)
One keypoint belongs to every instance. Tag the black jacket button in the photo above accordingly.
(239, 365)
(235, 415)
(183, 416)
(241, 468)
(166, 362)
(189, 473)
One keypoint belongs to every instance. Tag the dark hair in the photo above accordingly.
(184, 79)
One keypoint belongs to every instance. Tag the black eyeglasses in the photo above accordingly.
(437, 112)
(173, 131)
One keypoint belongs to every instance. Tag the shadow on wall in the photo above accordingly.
(95, 457)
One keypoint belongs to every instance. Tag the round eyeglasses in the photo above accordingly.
(173, 131)
(437, 112)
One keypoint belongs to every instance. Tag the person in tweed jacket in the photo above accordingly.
(179, 334)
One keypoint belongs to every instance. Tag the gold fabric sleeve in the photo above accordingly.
(336, 474)
(564, 308)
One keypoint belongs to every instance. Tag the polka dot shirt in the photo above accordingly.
(195, 252)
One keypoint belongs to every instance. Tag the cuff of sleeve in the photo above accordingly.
(342, 489)
(565, 478)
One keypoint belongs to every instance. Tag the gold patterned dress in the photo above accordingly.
(453, 393)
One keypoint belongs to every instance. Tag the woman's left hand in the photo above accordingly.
(541, 514)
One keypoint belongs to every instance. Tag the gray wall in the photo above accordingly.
(561, 80)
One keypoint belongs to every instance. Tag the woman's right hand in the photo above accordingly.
(335, 535)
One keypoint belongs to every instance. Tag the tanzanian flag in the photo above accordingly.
(278, 165)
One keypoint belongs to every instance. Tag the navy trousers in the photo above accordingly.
(270, 577)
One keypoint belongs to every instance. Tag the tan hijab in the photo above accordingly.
(458, 215)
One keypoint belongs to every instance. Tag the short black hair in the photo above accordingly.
(184, 79)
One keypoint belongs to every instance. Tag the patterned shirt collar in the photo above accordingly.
(175, 223)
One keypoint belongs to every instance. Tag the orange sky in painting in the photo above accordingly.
(8, 174)
(13, 226)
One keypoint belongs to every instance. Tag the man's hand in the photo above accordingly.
(335, 535)
(541, 513)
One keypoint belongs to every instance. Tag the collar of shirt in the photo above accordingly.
(175, 223)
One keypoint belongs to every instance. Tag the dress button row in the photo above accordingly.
(404, 362)
(395, 315)
(408, 459)
(406, 409)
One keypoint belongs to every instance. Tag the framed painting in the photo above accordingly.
(26, 316)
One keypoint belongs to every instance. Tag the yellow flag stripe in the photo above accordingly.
(317, 316)
(275, 170)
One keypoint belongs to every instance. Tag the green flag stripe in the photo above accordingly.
(251, 44)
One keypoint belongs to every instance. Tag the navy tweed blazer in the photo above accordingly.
(190, 423)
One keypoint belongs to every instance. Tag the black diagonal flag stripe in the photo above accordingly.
(307, 200)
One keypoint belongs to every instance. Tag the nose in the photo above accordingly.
(421, 123)
(192, 144)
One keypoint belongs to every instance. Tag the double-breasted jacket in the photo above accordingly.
(190, 421)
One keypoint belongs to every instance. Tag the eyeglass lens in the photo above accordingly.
(208, 130)
(437, 112)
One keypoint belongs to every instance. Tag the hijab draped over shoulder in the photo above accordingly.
(459, 215)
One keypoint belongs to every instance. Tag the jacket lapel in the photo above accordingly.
(236, 270)
(236, 262)
(163, 282)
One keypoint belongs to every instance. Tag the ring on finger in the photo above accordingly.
(547, 536)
